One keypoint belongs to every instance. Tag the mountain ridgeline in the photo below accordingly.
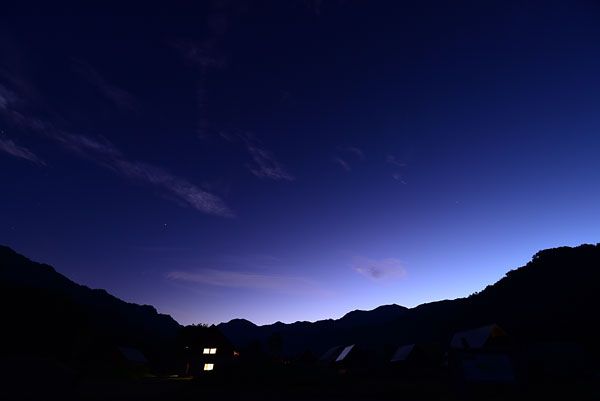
(554, 297)
(46, 314)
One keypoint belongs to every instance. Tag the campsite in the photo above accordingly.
(90, 355)
(299, 200)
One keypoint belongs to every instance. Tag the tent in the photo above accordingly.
(344, 354)
(346, 358)
(130, 362)
(132, 355)
(403, 353)
(330, 355)
(480, 356)
(486, 368)
(421, 353)
(479, 338)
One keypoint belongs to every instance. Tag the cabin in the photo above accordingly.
(482, 356)
(207, 351)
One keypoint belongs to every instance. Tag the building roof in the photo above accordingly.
(330, 354)
(402, 353)
(476, 338)
(344, 353)
(133, 355)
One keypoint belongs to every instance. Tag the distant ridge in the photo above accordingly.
(44, 301)
(553, 297)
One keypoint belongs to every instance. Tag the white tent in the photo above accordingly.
(344, 353)
(331, 354)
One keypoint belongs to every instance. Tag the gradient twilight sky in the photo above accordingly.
(297, 160)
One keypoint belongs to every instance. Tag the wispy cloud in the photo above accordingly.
(347, 153)
(249, 280)
(6, 97)
(182, 189)
(206, 54)
(397, 165)
(390, 159)
(8, 146)
(121, 98)
(103, 152)
(342, 163)
(264, 165)
(357, 152)
(382, 269)
(201, 56)
(398, 177)
(106, 154)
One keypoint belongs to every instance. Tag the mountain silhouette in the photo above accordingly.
(554, 297)
(48, 314)
(306, 336)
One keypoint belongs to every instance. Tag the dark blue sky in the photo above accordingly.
(297, 160)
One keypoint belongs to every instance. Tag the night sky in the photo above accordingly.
(297, 160)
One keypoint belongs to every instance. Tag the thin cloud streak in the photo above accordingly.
(355, 151)
(398, 177)
(394, 161)
(6, 97)
(264, 163)
(194, 196)
(235, 279)
(121, 98)
(103, 152)
(342, 163)
(8, 146)
(206, 54)
(344, 154)
(200, 57)
(380, 270)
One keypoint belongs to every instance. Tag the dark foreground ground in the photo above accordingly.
(35, 387)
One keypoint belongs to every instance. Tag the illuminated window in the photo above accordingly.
(213, 351)
(206, 351)
(209, 366)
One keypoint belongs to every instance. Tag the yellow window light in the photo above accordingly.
(209, 366)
